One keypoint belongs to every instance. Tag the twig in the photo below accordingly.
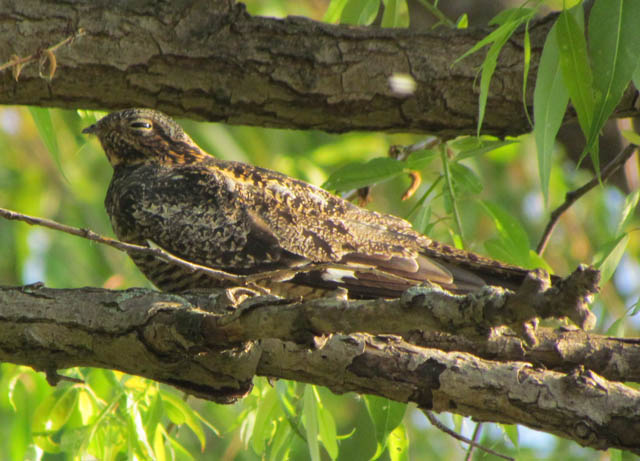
(436, 422)
(474, 437)
(247, 280)
(17, 63)
(574, 195)
(126, 247)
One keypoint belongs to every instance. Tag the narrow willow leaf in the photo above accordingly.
(310, 420)
(178, 410)
(360, 12)
(576, 71)
(612, 256)
(263, 426)
(465, 180)
(42, 119)
(396, 13)
(334, 11)
(474, 146)
(614, 46)
(630, 204)
(326, 427)
(550, 100)
(356, 175)
(513, 238)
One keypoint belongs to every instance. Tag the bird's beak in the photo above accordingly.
(90, 129)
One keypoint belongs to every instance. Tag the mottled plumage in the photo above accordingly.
(245, 220)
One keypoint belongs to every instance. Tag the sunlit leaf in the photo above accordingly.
(631, 136)
(550, 100)
(357, 175)
(264, 426)
(310, 420)
(181, 413)
(334, 11)
(612, 254)
(474, 146)
(398, 445)
(326, 427)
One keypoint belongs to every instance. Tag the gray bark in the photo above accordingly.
(210, 60)
(206, 345)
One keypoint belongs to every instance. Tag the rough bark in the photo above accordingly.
(210, 60)
(204, 344)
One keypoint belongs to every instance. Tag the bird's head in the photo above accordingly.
(136, 136)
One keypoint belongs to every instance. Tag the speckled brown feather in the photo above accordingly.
(245, 220)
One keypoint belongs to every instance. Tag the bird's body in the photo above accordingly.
(246, 220)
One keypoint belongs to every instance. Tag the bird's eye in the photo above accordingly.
(140, 125)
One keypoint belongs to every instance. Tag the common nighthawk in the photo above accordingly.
(245, 220)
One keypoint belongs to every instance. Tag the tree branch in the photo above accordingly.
(175, 339)
(208, 60)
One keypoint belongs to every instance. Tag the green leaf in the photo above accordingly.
(420, 159)
(334, 11)
(263, 428)
(137, 435)
(576, 72)
(281, 444)
(310, 421)
(396, 13)
(630, 204)
(636, 77)
(181, 413)
(631, 136)
(511, 430)
(326, 427)
(386, 415)
(357, 175)
(550, 100)
(509, 21)
(55, 410)
(513, 245)
(473, 146)
(614, 46)
(612, 252)
(42, 119)
(462, 22)
(525, 73)
(360, 12)
(398, 444)
(465, 181)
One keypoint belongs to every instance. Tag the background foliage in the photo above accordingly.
(487, 195)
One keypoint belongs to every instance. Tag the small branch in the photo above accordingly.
(127, 247)
(574, 195)
(437, 423)
(250, 281)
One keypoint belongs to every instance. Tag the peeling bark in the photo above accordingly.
(204, 344)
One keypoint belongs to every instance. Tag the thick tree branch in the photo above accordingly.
(180, 340)
(210, 60)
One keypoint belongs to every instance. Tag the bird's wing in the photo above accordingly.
(373, 254)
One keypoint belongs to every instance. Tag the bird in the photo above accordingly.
(245, 221)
